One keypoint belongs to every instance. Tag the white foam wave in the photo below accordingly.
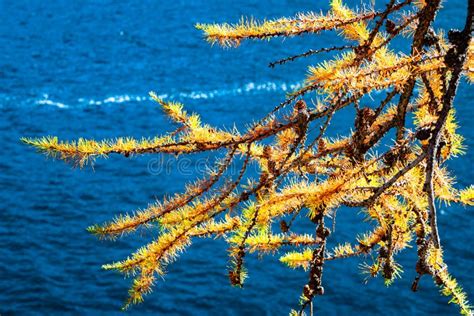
(114, 99)
(247, 89)
(46, 101)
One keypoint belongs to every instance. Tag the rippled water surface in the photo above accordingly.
(84, 68)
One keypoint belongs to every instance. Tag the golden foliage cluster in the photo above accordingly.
(308, 176)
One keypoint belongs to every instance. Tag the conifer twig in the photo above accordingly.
(396, 182)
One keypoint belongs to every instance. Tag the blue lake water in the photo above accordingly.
(84, 68)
